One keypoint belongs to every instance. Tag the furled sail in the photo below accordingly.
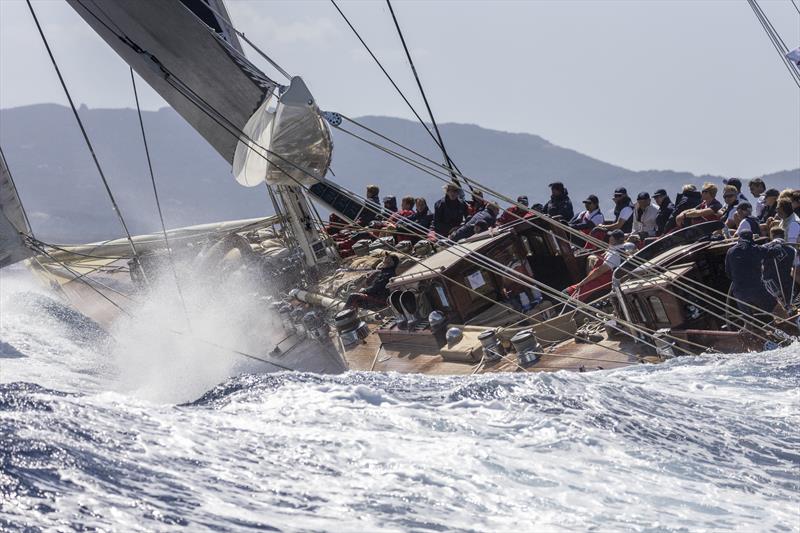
(13, 223)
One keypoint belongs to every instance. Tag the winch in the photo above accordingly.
(492, 348)
(527, 347)
(316, 327)
(350, 328)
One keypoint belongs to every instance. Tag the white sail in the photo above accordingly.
(13, 222)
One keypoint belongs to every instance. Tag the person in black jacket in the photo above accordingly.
(422, 216)
(665, 210)
(559, 204)
(743, 265)
(770, 205)
(374, 295)
(780, 260)
(486, 218)
(688, 198)
(449, 212)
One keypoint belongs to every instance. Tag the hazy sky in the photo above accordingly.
(692, 85)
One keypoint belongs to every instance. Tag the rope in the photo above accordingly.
(218, 117)
(83, 130)
(424, 98)
(602, 244)
(158, 203)
(795, 7)
(391, 80)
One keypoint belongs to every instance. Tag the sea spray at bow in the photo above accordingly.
(695, 443)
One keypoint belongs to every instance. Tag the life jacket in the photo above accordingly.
(754, 225)
(618, 207)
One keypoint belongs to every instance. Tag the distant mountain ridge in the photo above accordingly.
(65, 200)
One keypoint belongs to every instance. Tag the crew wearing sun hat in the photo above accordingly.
(644, 216)
(590, 217)
(665, 210)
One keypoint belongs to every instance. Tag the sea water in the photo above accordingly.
(145, 437)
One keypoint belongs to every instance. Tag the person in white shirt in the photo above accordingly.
(759, 191)
(644, 216)
(789, 221)
(589, 217)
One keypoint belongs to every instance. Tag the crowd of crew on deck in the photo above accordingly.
(761, 274)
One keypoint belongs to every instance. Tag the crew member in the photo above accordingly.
(665, 210)
(515, 212)
(449, 212)
(374, 295)
(623, 213)
(689, 198)
(598, 281)
(708, 210)
(485, 217)
(743, 265)
(372, 207)
(644, 216)
(559, 204)
(423, 216)
(590, 217)
(737, 184)
(758, 189)
(745, 220)
(780, 260)
(731, 198)
(770, 206)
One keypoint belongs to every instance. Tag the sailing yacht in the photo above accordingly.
(448, 311)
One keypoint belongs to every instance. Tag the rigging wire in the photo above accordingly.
(428, 170)
(422, 92)
(775, 40)
(85, 135)
(215, 115)
(796, 8)
(158, 202)
(391, 80)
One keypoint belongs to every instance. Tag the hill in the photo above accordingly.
(63, 195)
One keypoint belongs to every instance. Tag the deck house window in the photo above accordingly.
(658, 310)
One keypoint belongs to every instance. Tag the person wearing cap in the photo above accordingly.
(644, 216)
(515, 212)
(731, 198)
(745, 220)
(770, 206)
(374, 295)
(737, 183)
(623, 212)
(590, 217)
(449, 212)
(559, 204)
(665, 210)
(708, 210)
(743, 265)
(598, 281)
(485, 218)
(788, 220)
(758, 189)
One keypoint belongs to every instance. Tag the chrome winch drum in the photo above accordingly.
(350, 329)
(527, 347)
(317, 327)
(492, 348)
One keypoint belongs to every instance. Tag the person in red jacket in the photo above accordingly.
(514, 212)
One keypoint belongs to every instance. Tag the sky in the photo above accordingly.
(683, 85)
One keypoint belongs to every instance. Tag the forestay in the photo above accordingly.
(13, 223)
